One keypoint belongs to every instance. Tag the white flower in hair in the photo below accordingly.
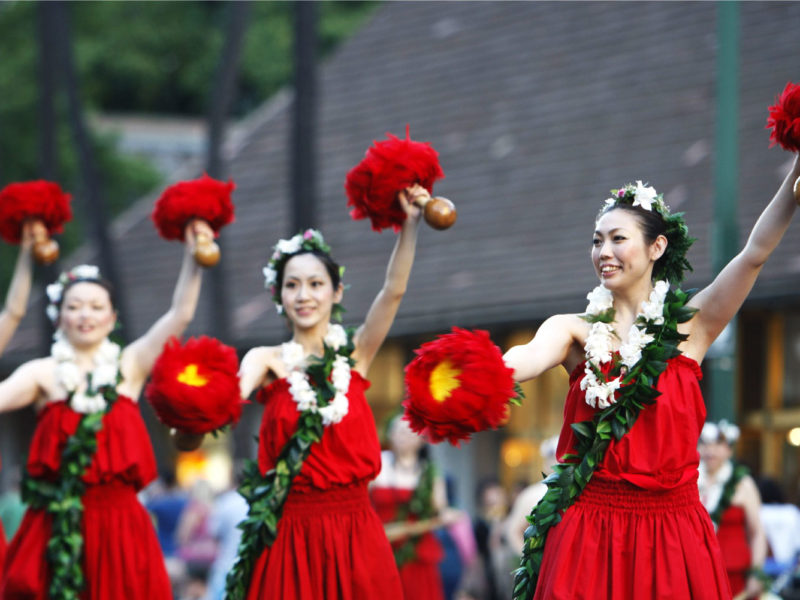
(54, 292)
(289, 246)
(270, 276)
(644, 196)
(85, 272)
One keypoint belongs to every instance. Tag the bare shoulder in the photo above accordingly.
(265, 360)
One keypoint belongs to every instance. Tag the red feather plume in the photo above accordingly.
(784, 119)
(388, 167)
(195, 387)
(457, 384)
(204, 198)
(43, 200)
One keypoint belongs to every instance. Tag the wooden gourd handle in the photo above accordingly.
(185, 441)
(206, 251)
(439, 213)
(45, 249)
(797, 190)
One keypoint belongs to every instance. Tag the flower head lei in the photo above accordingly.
(55, 291)
(673, 264)
(724, 430)
(310, 240)
(102, 380)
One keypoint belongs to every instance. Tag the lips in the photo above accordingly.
(608, 269)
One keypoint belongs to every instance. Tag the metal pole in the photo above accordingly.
(725, 238)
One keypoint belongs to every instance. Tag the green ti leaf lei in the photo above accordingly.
(419, 507)
(62, 500)
(728, 490)
(568, 479)
(266, 494)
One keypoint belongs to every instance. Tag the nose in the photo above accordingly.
(302, 291)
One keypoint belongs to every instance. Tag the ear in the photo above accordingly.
(338, 293)
(658, 247)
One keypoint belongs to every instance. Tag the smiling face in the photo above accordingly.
(307, 292)
(620, 254)
(715, 454)
(87, 316)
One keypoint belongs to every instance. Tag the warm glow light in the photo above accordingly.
(793, 436)
(190, 376)
(512, 457)
(444, 379)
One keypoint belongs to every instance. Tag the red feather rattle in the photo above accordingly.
(204, 198)
(784, 120)
(194, 389)
(458, 384)
(42, 202)
(388, 167)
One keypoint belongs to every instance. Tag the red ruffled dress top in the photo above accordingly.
(122, 558)
(330, 543)
(420, 576)
(638, 530)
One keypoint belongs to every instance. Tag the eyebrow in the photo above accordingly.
(598, 232)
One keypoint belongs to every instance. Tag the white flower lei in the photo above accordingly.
(105, 373)
(600, 342)
(300, 387)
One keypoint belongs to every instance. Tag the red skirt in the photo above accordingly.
(122, 558)
(622, 542)
(330, 546)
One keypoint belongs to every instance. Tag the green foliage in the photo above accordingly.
(143, 57)
(569, 479)
(419, 507)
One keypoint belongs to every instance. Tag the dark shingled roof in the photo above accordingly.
(537, 110)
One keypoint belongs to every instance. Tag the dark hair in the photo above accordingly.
(330, 266)
(102, 282)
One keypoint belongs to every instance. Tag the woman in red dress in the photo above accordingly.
(732, 499)
(85, 531)
(328, 543)
(622, 517)
(14, 309)
(411, 499)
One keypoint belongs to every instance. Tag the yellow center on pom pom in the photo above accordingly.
(444, 379)
(190, 376)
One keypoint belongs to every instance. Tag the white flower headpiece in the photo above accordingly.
(722, 431)
(639, 194)
(309, 240)
(55, 291)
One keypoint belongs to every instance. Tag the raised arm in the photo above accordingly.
(138, 358)
(553, 344)
(370, 335)
(720, 301)
(19, 290)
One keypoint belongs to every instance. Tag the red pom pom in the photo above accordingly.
(43, 200)
(458, 384)
(195, 387)
(204, 198)
(784, 119)
(388, 167)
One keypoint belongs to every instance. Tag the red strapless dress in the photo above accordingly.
(330, 543)
(122, 558)
(421, 578)
(732, 535)
(638, 530)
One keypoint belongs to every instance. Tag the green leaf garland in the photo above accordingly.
(569, 479)
(419, 507)
(62, 500)
(728, 490)
(266, 494)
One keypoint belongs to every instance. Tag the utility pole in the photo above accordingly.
(303, 159)
(725, 240)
